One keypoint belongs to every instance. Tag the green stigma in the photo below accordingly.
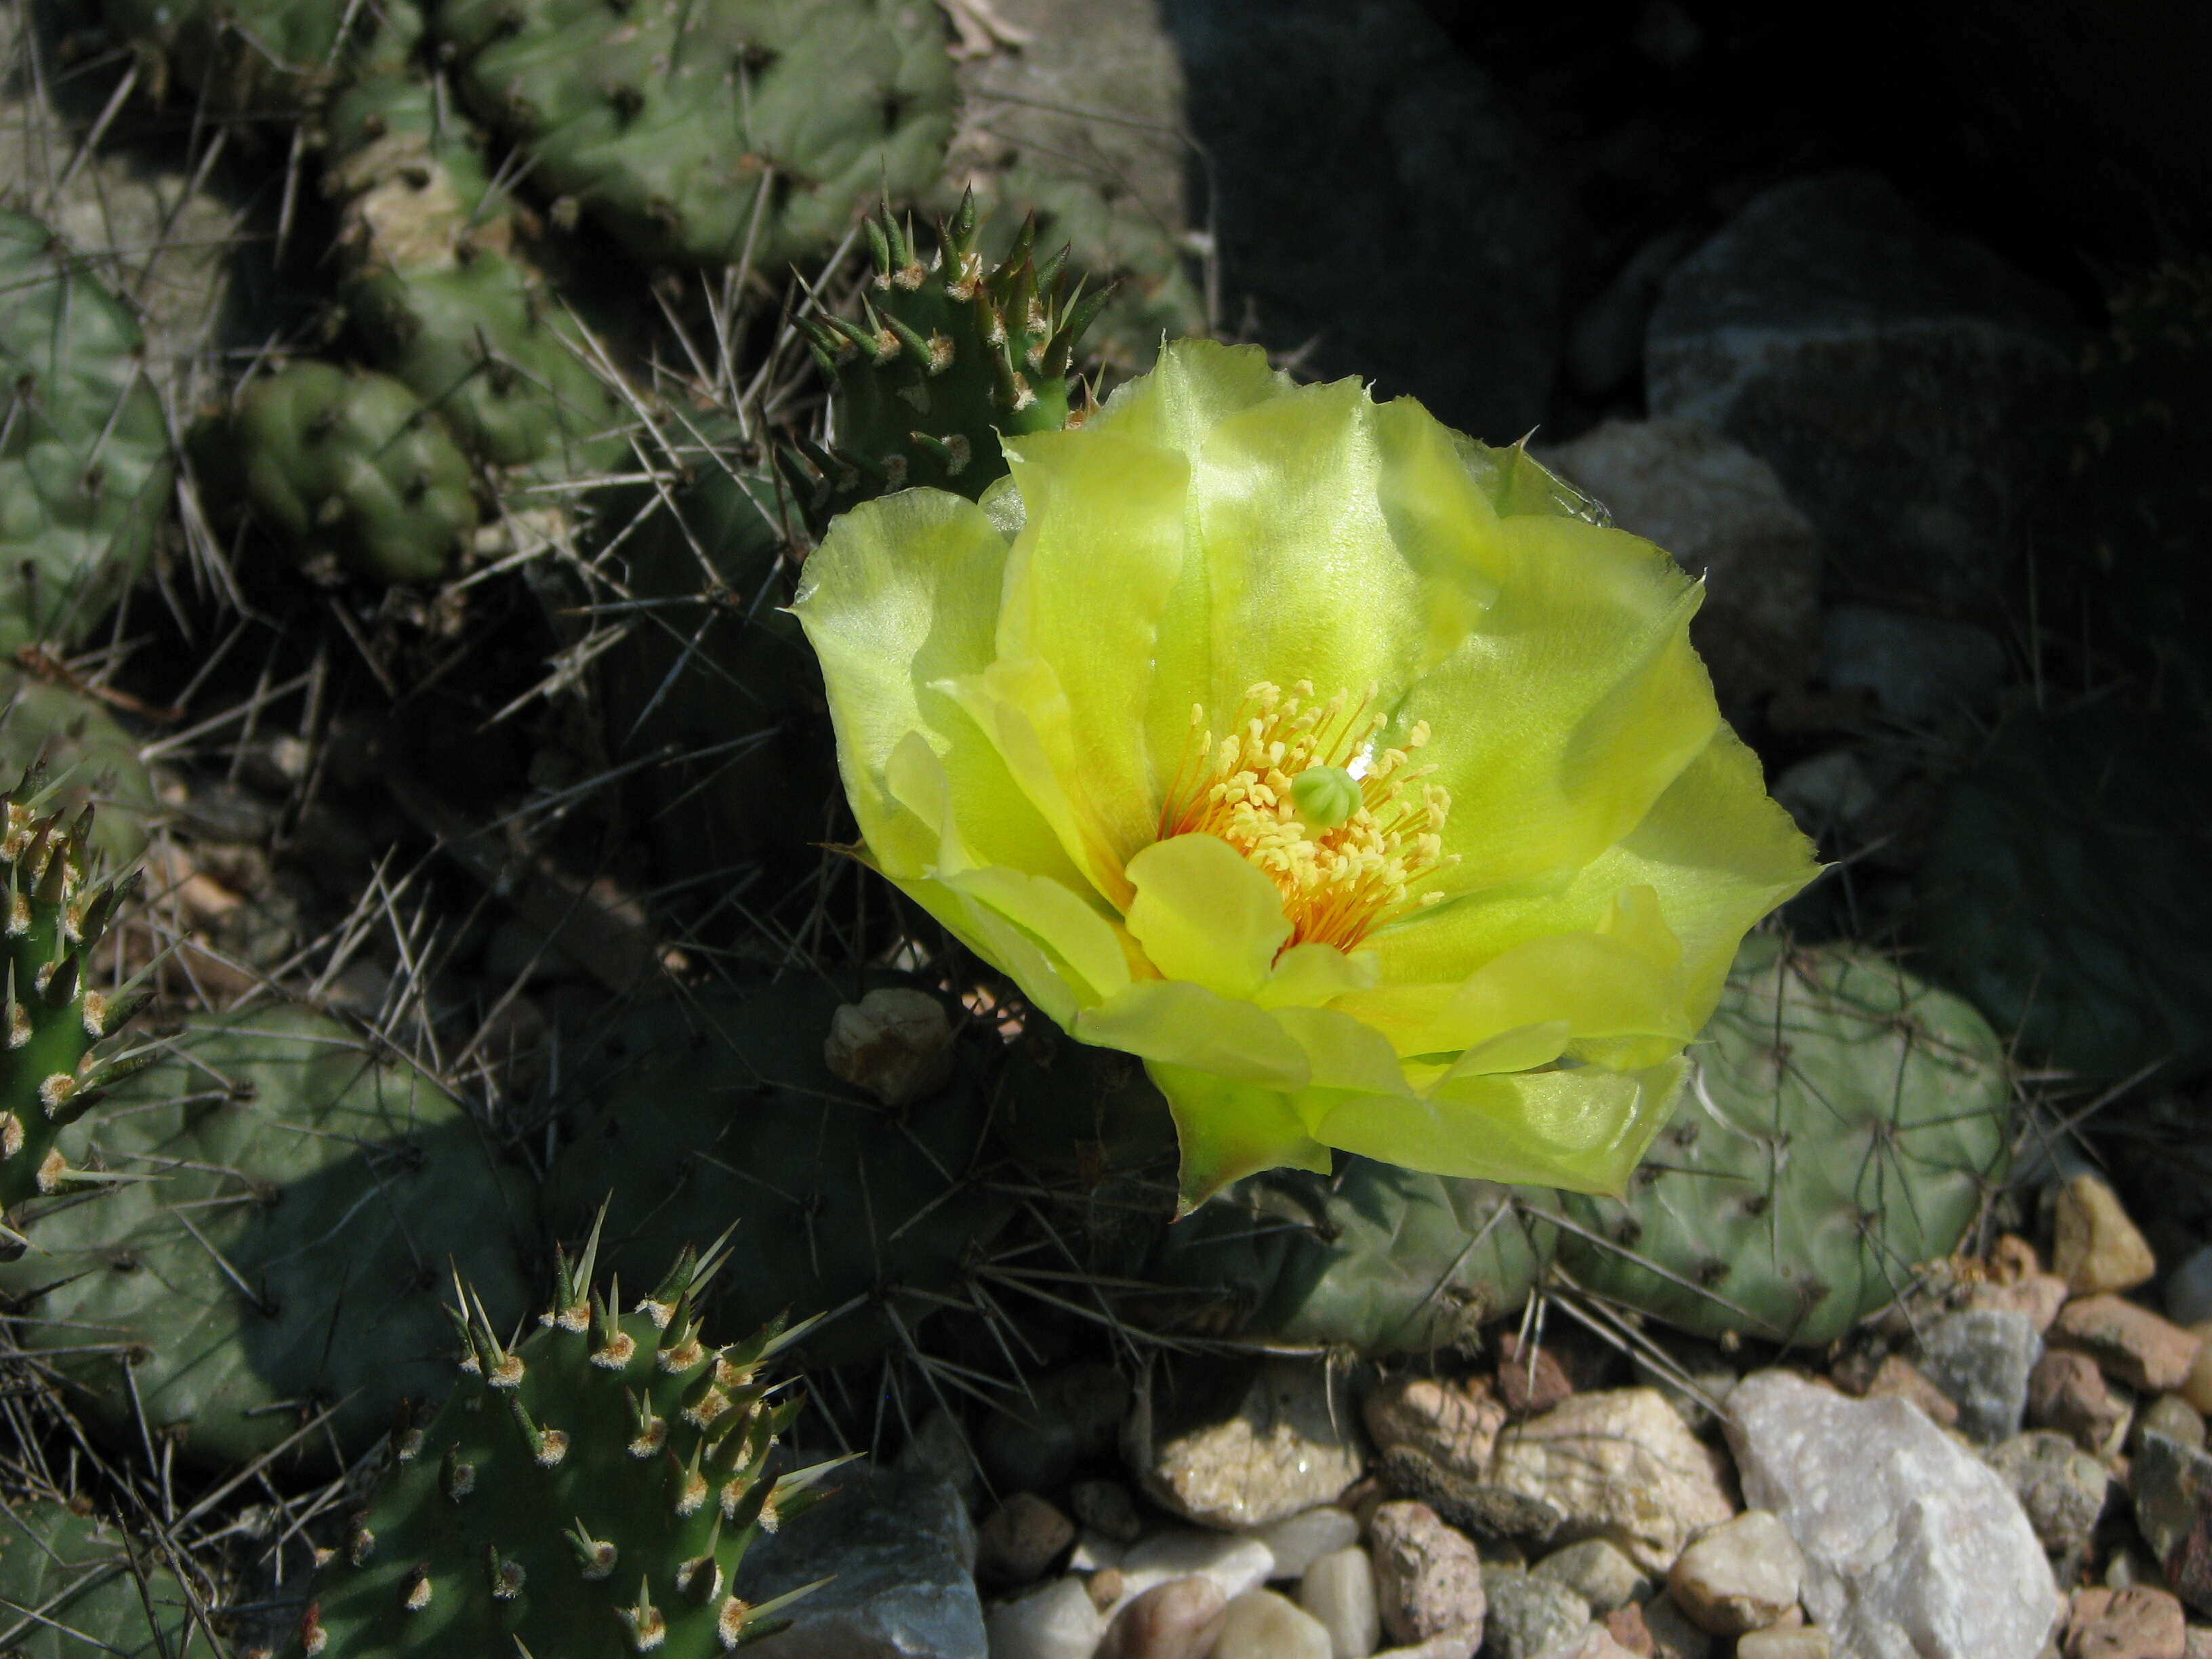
(1325, 796)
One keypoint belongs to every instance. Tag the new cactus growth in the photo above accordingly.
(59, 903)
(84, 449)
(1843, 1124)
(706, 133)
(350, 464)
(591, 1488)
(945, 358)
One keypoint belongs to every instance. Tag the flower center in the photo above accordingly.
(1298, 787)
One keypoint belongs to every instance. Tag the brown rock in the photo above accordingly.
(1019, 1539)
(1530, 1379)
(2012, 1259)
(1179, 1619)
(2129, 1342)
(2039, 1296)
(1428, 1578)
(2096, 1247)
(2135, 1623)
(1456, 1426)
(2067, 1392)
(1106, 1586)
(1899, 1378)
(2197, 1387)
(1626, 1625)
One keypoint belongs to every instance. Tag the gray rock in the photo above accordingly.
(1720, 511)
(1279, 1448)
(900, 1553)
(1673, 1635)
(2061, 1488)
(1070, 1416)
(1915, 668)
(1528, 1615)
(1107, 1508)
(1304, 1539)
(2187, 1288)
(1376, 201)
(1982, 1359)
(2174, 1418)
(1914, 1549)
(1597, 1572)
(1428, 1578)
(2172, 1486)
(1914, 391)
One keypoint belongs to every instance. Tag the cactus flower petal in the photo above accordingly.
(1324, 759)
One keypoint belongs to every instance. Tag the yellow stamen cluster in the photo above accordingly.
(1339, 882)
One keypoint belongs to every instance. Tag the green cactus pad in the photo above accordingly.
(252, 57)
(2064, 891)
(697, 132)
(1843, 1124)
(84, 451)
(946, 358)
(72, 1584)
(838, 1203)
(90, 760)
(288, 1251)
(1374, 1258)
(590, 1489)
(59, 903)
(350, 464)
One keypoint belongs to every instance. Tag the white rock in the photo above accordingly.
(1743, 1576)
(1286, 1445)
(1914, 1548)
(1302, 1539)
(1618, 1463)
(1339, 1589)
(1262, 1625)
(1053, 1621)
(1235, 1565)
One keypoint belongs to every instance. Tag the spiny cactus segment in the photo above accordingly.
(596, 1483)
(946, 357)
(59, 903)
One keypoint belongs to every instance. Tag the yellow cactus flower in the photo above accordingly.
(1319, 755)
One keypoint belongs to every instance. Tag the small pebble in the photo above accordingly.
(2067, 1392)
(1019, 1539)
(1451, 1644)
(2171, 1415)
(1108, 1508)
(2128, 1341)
(1052, 1621)
(1671, 1633)
(1898, 1377)
(1530, 1379)
(2096, 1248)
(1799, 1644)
(2196, 1642)
(1179, 1619)
(1107, 1587)
(1339, 1589)
(1528, 1617)
(1982, 1359)
(1261, 1625)
(1428, 1578)
(1595, 1641)
(1302, 1539)
(1598, 1572)
(1232, 1564)
(2136, 1623)
(1741, 1576)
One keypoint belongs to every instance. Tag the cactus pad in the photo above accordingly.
(696, 133)
(590, 1489)
(350, 464)
(946, 358)
(291, 1251)
(1843, 1123)
(84, 451)
(71, 1584)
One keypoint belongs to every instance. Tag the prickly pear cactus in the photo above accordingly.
(60, 901)
(71, 1584)
(90, 760)
(701, 134)
(84, 451)
(252, 57)
(2061, 891)
(839, 1203)
(591, 1488)
(1378, 1259)
(1843, 1123)
(296, 1202)
(946, 358)
(347, 464)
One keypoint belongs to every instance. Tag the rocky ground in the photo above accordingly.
(2009, 1465)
